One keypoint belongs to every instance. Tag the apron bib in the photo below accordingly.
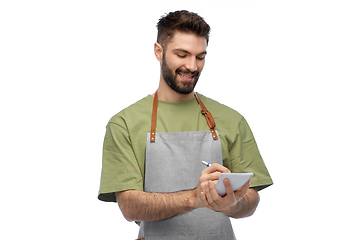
(173, 163)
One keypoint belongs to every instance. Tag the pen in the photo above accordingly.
(206, 163)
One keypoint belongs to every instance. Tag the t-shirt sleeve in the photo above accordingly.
(246, 158)
(120, 169)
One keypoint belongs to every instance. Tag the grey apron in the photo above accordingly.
(173, 163)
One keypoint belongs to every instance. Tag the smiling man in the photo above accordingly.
(153, 149)
(186, 53)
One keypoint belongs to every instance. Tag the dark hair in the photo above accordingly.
(183, 21)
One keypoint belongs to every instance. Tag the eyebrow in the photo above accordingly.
(184, 51)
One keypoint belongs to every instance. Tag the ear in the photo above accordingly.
(158, 50)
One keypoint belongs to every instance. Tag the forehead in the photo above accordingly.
(187, 41)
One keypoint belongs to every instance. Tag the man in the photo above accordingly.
(154, 148)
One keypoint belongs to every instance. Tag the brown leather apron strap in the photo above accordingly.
(209, 118)
(153, 118)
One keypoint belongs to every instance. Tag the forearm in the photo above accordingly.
(142, 206)
(246, 206)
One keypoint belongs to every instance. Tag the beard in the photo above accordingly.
(182, 87)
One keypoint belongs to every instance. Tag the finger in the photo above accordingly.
(214, 194)
(203, 199)
(228, 187)
(216, 167)
(209, 196)
(211, 176)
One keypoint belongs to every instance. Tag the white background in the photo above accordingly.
(290, 67)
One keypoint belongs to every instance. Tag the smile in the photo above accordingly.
(186, 77)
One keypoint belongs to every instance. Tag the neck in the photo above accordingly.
(166, 93)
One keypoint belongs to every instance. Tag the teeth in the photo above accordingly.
(187, 76)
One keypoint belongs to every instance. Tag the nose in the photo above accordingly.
(191, 64)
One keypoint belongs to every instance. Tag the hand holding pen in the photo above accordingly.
(207, 182)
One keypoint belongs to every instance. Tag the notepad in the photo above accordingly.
(237, 180)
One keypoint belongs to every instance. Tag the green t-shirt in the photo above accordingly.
(125, 141)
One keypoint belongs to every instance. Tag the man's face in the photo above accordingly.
(183, 61)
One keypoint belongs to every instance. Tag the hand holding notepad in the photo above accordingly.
(237, 180)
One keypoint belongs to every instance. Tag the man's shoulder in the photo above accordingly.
(134, 111)
(219, 109)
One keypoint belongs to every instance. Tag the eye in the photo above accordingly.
(181, 56)
(201, 57)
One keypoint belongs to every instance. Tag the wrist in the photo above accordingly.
(186, 200)
(192, 199)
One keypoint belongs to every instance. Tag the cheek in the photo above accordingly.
(200, 66)
(173, 63)
(176, 64)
